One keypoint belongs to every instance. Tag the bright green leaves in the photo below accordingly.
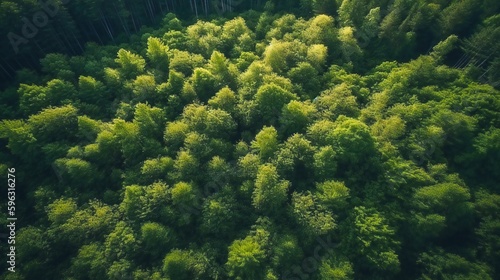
(132, 204)
(270, 192)
(59, 92)
(19, 134)
(175, 133)
(91, 90)
(336, 268)
(224, 99)
(325, 163)
(438, 264)
(61, 210)
(245, 259)
(294, 158)
(237, 37)
(121, 243)
(270, 100)
(144, 88)
(128, 137)
(346, 146)
(145, 202)
(186, 165)
(54, 124)
(212, 122)
(219, 215)
(305, 79)
(353, 143)
(225, 72)
(373, 242)
(312, 216)
(249, 165)
(183, 193)
(390, 129)
(89, 262)
(156, 239)
(131, 65)
(320, 132)
(119, 269)
(182, 265)
(142, 137)
(448, 200)
(441, 197)
(77, 172)
(57, 65)
(185, 62)
(150, 120)
(349, 45)
(34, 98)
(204, 37)
(440, 50)
(297, 116)
(337, 101)
(321, 30)
(157, 168)
(281, 56)
(425, 143)
(317, 55)
(454, 124)
(266, 142)
(157, 54)
(284, 28)
(204, 83)
(224, 149)
(76, 227)
(332, 194)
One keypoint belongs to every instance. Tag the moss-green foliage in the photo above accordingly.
(325, 139)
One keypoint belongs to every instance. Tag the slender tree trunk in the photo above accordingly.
(106, 25)
(122, 23)
(7, 64)
(9, 75)
(70, 46)
(56, 39)
(96, 33)
(485, 72)
(148, 10)
(173, 6)
(460, 60)
(131, 16)
(196, 8)
(38, 46)
(87, 36)
(77, 41)
(484, 60)
(29, 61)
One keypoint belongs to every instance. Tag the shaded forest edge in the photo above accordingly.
(399, 30)
(321, 139)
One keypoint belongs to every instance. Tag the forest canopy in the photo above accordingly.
(325, 139)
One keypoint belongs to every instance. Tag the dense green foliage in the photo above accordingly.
(310, 140)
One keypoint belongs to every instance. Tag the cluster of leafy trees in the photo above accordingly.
(32, 29)
(400, 29)
(232, 148)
